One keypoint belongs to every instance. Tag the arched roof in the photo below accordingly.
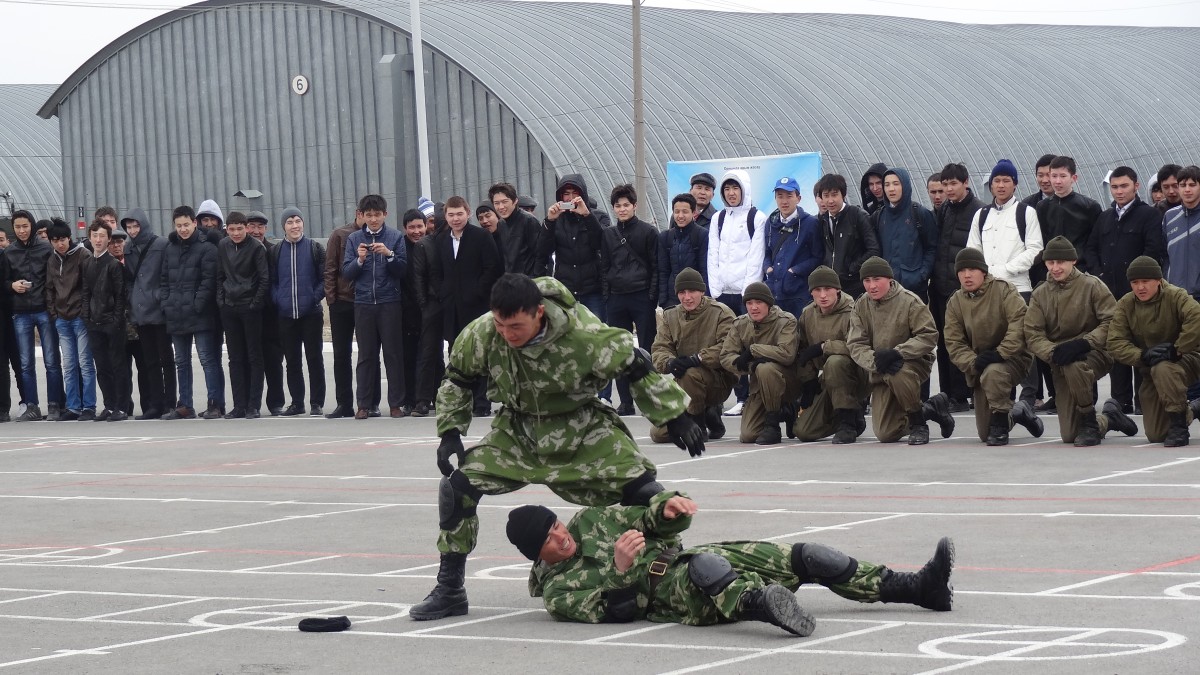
(859, 89)
(30, 158)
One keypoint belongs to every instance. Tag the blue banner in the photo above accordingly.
(804, 167)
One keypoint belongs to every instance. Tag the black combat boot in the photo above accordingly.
(1023, 414)
(777, 606)
(788, 413)
(998, 429)
(712, 420)
(847, 427)
(770, 434)
(918, 431)
(1089, 429)
(929, 588)
(1177, 430)
(937, 409)
(449, 597)
(1117, 419)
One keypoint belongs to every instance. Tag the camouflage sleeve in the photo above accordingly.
(652, 520)
(659, 398)
(583, 596)
(468, 360)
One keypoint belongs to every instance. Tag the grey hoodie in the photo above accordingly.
(143, 268)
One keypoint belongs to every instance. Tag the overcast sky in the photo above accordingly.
(46, 40)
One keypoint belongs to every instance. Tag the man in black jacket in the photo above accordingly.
(573, 236)
(143, 264)
(521, 232)
(242, 285)
(629, 277)
(1041, 171)
(870, 188)
(702, 189)
(849, 237)
(188, 289)
(467, 266)
(954, 225)
(431, 365)
(1127, 229)
(415, 225)
(25, 281)
(1065, 213)
(272, 345)
(104, 314)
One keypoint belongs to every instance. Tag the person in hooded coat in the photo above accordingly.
(143, 269)
(870, 188)
(908, 234)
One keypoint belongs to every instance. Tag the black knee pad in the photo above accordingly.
(822, 564)
(451, 510)
(638, 491)
(710, 572)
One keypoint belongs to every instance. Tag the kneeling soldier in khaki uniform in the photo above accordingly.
(688, 346)
(762, 344)
(824, 324)
(892, 336)
(985, 337)
(1156, 329)
(1067, 327)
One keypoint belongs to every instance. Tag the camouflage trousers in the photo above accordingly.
(843, 387)
(1074, 392)
(757, 563)
(590, 469)
(705, 387)
(1164, 391)
(770, 385)
(894, 396)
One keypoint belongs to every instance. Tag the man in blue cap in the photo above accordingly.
(793, 248)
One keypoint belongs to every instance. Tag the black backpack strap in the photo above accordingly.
(750, 220)
(720, 223)
(1021, 220)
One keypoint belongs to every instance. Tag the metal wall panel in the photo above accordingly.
(201, 107)
(30, 168)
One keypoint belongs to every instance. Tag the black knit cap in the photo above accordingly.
(759, 291)
(689, 279)
(970, 258)
(1144, 267)
(1059, 248)
(824, 277)
(875, 267)
(528, 527)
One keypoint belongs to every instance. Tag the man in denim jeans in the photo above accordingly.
(25, 276)
(64, 304)
(188, 290)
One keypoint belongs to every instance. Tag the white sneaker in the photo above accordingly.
(735, 410)
(606, 402)
(22, 408)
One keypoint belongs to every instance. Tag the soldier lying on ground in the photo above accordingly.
(618, 564)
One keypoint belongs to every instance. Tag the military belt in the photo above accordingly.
(658, 570)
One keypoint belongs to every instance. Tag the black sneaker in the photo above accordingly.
(214, 412)
(275, 411)
(150, 415)
(339, 412)
(118, 416)
(253, 414)
(421, 409)
(235, 414)
(32, 414)
(293, 410)
(102, 415)
(373, 412)
(183, 412)
(315, 411)
(68, 415)
(957, 406)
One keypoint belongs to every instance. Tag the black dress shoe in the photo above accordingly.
(150, 415)
(235, 414)
(293, 410)
(253, 414)
(118, 416)
(374, 412)
(276, 411)
(338, 413)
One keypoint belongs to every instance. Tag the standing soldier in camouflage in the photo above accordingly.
(1156, 329)
(620, 564)
(824, 325)
(1067, 327)
(762, 344)
(985, 338)
(688, 346)
(545, 356)
(892, 336)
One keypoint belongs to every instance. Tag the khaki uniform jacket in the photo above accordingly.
(773, 339)
(899, 321)
(992, 317)
(1170, 316)
(686, 333)
(1081, 306)
(828, 329)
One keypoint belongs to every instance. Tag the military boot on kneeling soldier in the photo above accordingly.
(823, 325)
(762, 344)
(1156, 329)
(688, 346)
(892, 336)
(985, 338)
(1067, 326)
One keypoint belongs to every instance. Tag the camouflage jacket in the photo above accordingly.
(548, 387)
(579, 588)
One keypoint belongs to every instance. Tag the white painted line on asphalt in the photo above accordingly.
(404, 570)
(842, 526)
(1008, 655)
(34, 597)
(1148, 469)
(142, 609)
(1083, 584)
(782, 650)
(639, 631)
(287, 564)
(157, 557)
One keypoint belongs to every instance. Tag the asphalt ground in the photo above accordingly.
(196, 546)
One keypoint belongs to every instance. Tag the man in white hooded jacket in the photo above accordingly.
(735, 252)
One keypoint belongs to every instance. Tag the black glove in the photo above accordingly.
(686, 434)
(809, 353)
(681, 364)
(986, 358)
(1160, 352)
(1070, 352)
(742, 362)
(451, 445)
(755, 364)
(888, 361)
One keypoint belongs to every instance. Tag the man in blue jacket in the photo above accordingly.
(908, 233)
(375, 261)
(297, 288)
(794, 247)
